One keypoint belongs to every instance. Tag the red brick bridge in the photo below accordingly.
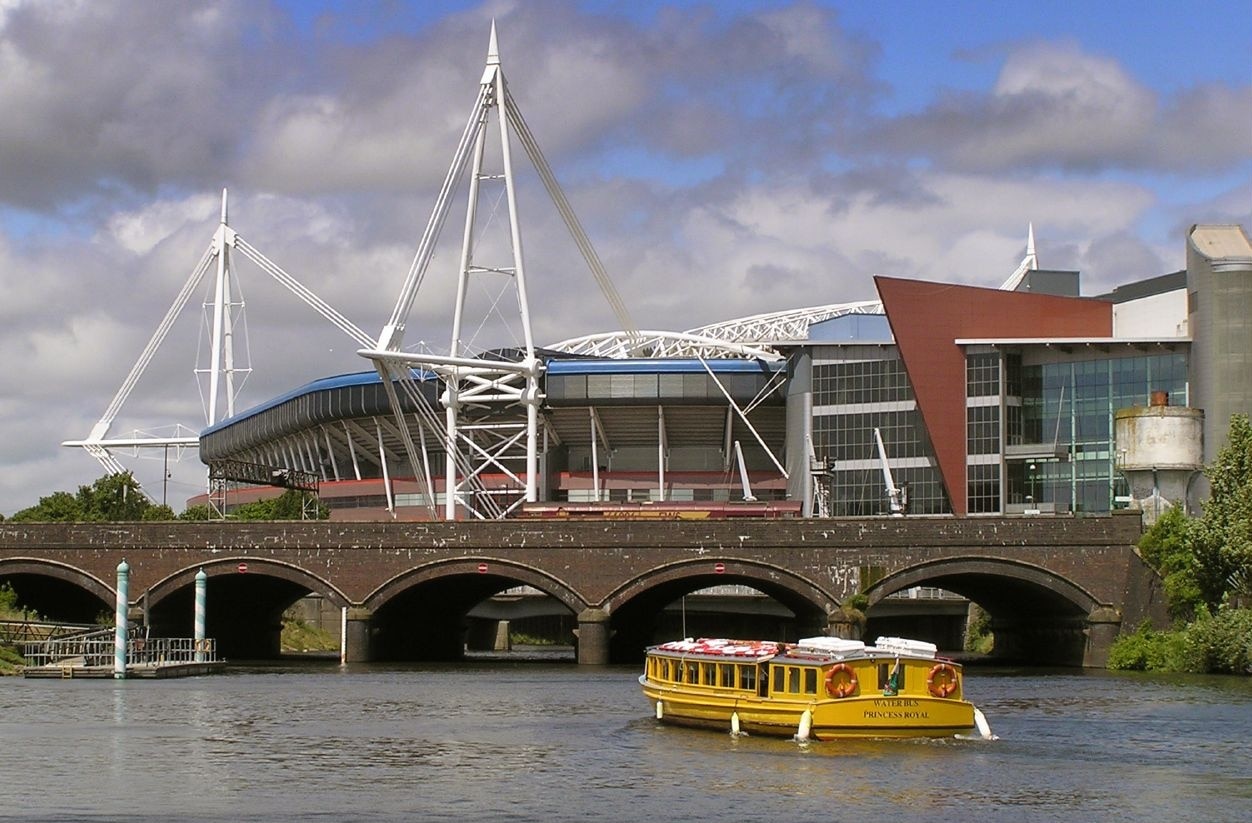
(1058, 590)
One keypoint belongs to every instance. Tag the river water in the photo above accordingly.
(504, 740)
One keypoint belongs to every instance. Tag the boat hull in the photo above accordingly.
(868, 716)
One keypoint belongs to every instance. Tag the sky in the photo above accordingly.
(725, 158)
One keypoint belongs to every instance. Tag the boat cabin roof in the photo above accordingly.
(808, 650)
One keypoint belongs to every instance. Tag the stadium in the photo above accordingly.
(935, 399)
(987, 401)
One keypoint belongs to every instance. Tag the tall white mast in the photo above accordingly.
(477, 441)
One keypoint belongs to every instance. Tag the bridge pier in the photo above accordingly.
(356, 635)
(1104, 624)
(593, 637)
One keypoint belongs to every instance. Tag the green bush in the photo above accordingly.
(1220, 643)
(8, 599)
(1149, 650)
(978, 635)
(10, 660)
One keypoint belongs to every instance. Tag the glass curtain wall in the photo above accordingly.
(982, 432)
(857, 389)
(1070, 407)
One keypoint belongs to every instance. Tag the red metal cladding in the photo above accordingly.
(927, 318)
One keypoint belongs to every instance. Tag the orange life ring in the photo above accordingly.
(945, 687)
(847, 687)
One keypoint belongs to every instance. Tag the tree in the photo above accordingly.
(111, 498)
(197, 513)
(1221, 540)
(1166, 546)
(287, 506)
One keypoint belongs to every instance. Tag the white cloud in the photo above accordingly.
(1057, 106)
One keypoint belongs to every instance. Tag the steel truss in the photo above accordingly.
(224, 472)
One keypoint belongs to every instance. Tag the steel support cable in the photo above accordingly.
(775, 381)
(154, 343)
(299, 290)
(567, 214)
(760, 440)
(426, 247)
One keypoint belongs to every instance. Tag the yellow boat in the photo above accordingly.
(821, 687)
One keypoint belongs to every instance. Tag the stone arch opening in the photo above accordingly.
(57, 591)
(245, 601)
(1036, 616)
(643, 611)
(437, 611)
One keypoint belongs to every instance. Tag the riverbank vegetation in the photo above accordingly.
(10, 661)
(299, 636)
(1206, 565)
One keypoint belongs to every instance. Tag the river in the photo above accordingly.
(498, 740)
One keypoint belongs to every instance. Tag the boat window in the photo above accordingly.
(663, 666)
(709, 672)
(693, 673)
(810, 681)
(727, 672)
(793, 679)
(747, 677)
(780, 678)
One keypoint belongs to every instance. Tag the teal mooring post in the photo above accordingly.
(202, 580)
(119, 638)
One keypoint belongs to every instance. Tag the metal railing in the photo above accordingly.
(96, 649)
(18, 632)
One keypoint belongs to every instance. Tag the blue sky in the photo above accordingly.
(726, 158)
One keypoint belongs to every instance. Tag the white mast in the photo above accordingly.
(1029, 263)
(221, 346)
(478, 441)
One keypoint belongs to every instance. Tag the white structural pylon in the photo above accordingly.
(226, 311)
(478, 442)
(1029, 263)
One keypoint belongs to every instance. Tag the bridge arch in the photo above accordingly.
(1035, 614)
(246, 598)
(489, 569)
(983, 580)
(789, 588)
(424, 612)
(636, 609)
(58, 590)
(231, 568)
